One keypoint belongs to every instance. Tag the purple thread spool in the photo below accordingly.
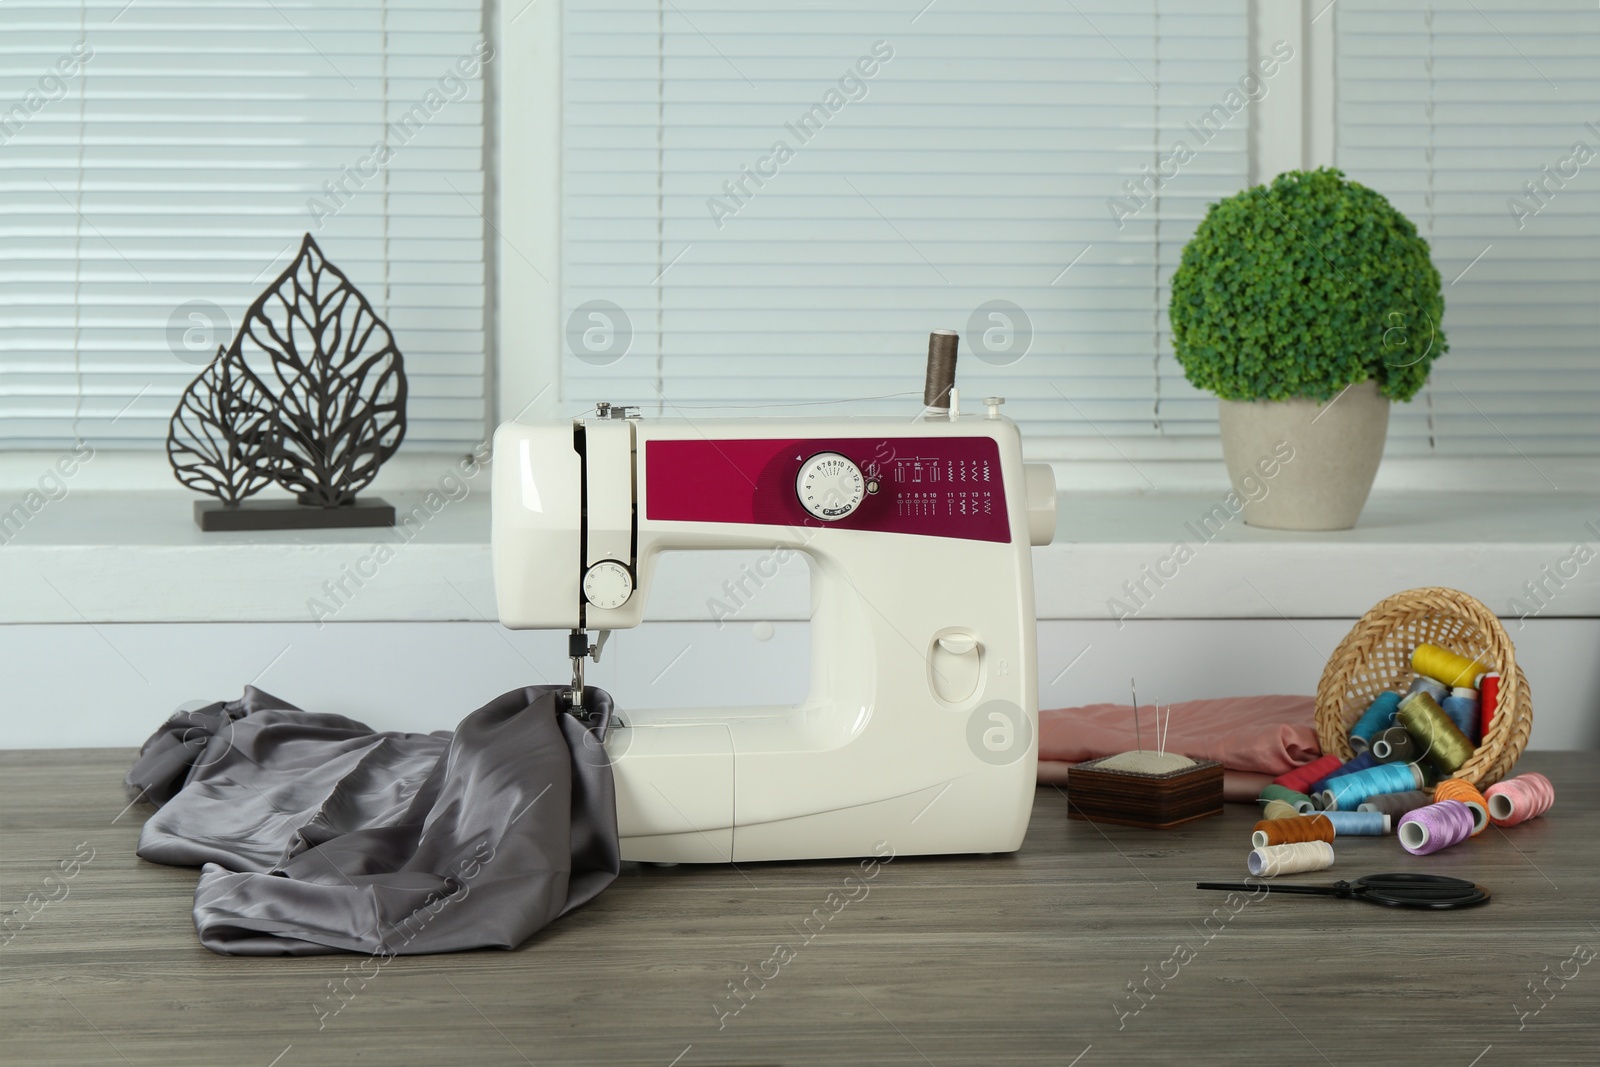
(1425, 831)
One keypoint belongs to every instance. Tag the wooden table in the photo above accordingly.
(1023, 959)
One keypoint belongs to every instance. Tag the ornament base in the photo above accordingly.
(215, 516)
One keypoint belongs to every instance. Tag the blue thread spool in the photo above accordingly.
(1344, 794)
(1378, 717)
(1462, 707)
(1360, 762)
(1423, 684)
(1358, 823)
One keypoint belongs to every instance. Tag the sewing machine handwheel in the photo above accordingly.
(608, 584)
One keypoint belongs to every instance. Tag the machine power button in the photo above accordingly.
(830, 486)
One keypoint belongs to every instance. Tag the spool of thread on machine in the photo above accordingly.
(1397, 804)
(1456, 789)
(1292, 830)
(1394, 745)
(1378, 717)
(1301, 777)
(1432, 729)
(1438, 826)
(1273, 860)
(1516, 800)
(1279, 809)
(1357, 823)
(941, 371)
(1445, 666)
(1488, 700)
(1462, 707)
(1344, 794)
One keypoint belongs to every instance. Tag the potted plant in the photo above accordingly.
(1306, 306)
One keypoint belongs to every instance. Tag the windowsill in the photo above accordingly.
(138, 557)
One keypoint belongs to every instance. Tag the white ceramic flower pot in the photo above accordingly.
(1333, 451)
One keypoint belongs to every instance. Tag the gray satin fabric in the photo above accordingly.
(317, 834)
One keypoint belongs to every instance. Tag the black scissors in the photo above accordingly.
(1433, 891)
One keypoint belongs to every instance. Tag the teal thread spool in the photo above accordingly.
(1358, 823)
(1273, 791)
(1378, 717)
(1344, 794)
(1397, 804)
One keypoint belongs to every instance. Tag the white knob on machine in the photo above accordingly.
(608, 584)
(830, 486)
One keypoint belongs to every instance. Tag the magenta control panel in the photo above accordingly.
(935, 486)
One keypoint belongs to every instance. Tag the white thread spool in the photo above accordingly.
(1296, 858)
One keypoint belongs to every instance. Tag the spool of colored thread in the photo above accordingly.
(1437, 690)
(1488, 700)
(1445, 666)
(1273, 860)
(1430, 773)
(1360, 762)
(1379, 716)
(1457, 789)
(1433, 731)
(1301, 777)
(1394, 745)
(1462, 707)
(1344, 794)
(1357, 823)
(1273, 791)
(1279, 809)
(1289, 831)
(1437, 826)
(1397, 804)
(1516, 800)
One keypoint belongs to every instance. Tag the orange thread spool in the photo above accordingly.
(1292, 831)
(1457, 789)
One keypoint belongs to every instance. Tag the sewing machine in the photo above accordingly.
(921, 726)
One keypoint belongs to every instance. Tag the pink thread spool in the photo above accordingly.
(1516, 800)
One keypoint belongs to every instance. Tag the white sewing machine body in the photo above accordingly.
(921, 726)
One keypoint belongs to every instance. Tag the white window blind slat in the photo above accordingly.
(177, 166)
(1448, 118)
(976, 168)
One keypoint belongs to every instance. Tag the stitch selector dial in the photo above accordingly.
(608, 584)
(830, 486)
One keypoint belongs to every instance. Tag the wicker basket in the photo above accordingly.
(1376, 655)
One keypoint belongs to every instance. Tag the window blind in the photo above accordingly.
(1003, 169)
(153, 186)
(1468, 116)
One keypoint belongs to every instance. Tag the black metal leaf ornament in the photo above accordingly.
(337, 377)
(217, 430)
(311, 395)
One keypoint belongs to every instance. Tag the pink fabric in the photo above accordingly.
(1266, 735)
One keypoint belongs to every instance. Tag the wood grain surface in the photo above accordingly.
(1021, 959)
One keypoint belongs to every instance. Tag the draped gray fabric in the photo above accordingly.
(318, 834)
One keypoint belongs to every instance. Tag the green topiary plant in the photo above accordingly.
(1305, 288)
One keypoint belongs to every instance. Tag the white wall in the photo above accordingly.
(112, 684)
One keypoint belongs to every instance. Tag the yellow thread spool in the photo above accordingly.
(1445, 666)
